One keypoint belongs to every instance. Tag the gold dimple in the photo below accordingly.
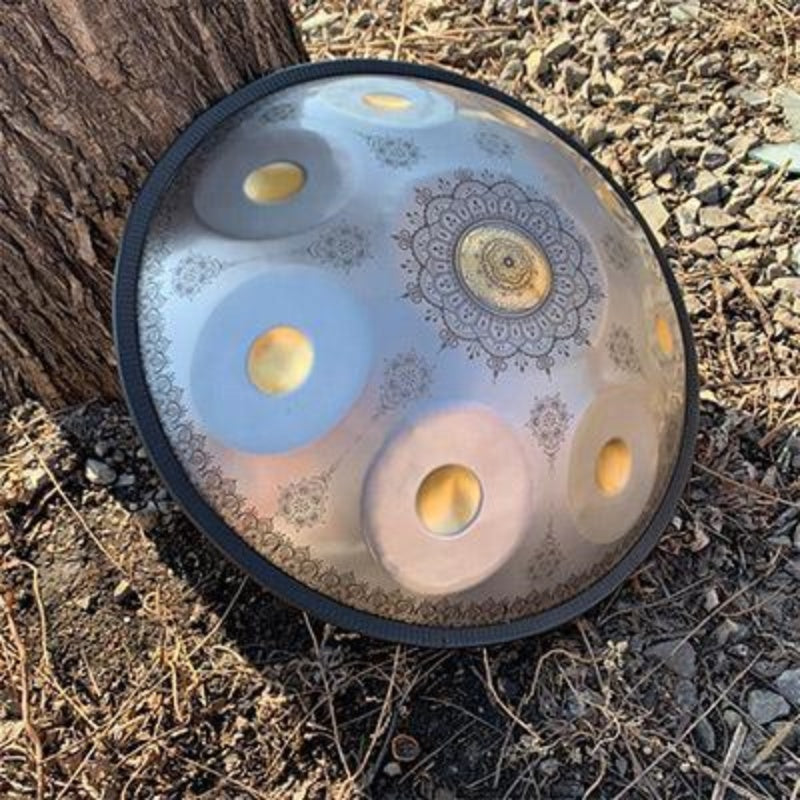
(503, 268)
(448, 499)
(613, 467)
(275, 182)
(386, 101)
(664, 336)
(280, 360)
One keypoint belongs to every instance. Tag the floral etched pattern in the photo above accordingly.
(622, 350)
(406, 378)
(341, 247)
(396, 152)
(547, 558)
(303, 503)
(548, 423)
(193, 272)
(448, 212)
(493, 144)
(617, 254)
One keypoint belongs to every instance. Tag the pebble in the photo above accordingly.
(678, 656)
(657, 158)
(560, 47)
(686, 215)
(713, 156)
(691, 148)
(574, 75)
(652, 209)
(729, 631)
(788, 683)
(765, 706)
(757, 98)
(790, 284)
(713, 217)
(709, 66)
(706, 736)
(123, 591)
(536, 64)
(594, 131)
(392, 769)
(99, 472)
(704, 246)
(718, 114)
(707, 188)
(511, 70)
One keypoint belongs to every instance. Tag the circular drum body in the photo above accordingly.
(405, 353)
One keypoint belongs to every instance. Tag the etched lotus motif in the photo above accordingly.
(455, 274)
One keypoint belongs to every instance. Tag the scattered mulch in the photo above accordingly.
(135, 663)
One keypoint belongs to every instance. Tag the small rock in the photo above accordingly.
(718, 114)
(102, 448)
(711, 599)
(657, 158)
(706, 737)
(686, 215)
(615, 83)
(85, 603)
(536, 64)
(732, 718)
(685, 695)
(788, 684)
(707, 188)
(709, 65)
(392, 769)
(99, 472)
(689, 148)
(512, 69)
(705, 246)
(713, 156)
(765, 706)
(713, 217)
(125, 480)
(319, 20)
(652, 209)
(146, 518)
(594, 131)
(735, 239)
(574, 75)
(678, 656)
(560, 47)
(123, 591)
(791, 285)
(757, 98)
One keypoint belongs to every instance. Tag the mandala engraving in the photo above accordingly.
(549, 421)
(193, 272)
(303, 503)
(396, 152)
(622, 350)
(547, 557)
(563, 283)
(493, 144)
(407, 377)
(342, 247)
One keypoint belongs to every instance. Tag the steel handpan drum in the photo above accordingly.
(405, 353)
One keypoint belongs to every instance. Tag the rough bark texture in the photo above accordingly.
(91, 93)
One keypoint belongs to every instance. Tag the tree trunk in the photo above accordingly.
(91, 93)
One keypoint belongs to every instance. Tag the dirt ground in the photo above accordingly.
(136, 663)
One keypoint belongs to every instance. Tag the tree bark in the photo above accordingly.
(91, 93)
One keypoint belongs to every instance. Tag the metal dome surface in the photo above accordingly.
(405, 353)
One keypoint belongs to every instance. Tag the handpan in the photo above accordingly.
(405, 353)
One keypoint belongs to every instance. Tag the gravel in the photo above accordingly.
(765, 706)
(99, 472)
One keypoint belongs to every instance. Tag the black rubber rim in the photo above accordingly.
(126, 336)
